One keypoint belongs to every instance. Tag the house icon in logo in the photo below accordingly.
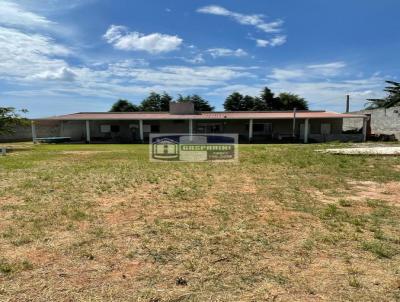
(165, 149)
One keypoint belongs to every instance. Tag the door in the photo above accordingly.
(325, 129)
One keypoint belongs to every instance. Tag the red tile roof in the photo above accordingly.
(199, 116)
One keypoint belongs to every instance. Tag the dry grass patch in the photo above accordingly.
(101, 223)
(389, 191)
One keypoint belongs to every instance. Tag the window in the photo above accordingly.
(258, 128)
(114, 128)
(105, 128)
(155, 128)
(215, 128)
(261, 128)
(178, 121)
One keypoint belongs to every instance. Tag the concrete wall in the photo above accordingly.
(383, 121)
(20, 134)
(181, 108)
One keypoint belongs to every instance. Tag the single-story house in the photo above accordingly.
(131, 127)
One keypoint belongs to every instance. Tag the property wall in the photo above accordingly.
(20, 134)
(383, 121)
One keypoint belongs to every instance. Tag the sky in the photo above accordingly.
(65, 56)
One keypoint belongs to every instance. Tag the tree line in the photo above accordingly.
(160, 102)
(266, 101)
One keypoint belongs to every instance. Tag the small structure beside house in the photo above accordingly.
(381, 122)
(251, 126)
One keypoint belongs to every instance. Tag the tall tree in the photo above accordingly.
(238, 102)
(248, 103)
(270, 102)
(9, 118)
(391, 100)
(165, 99)
(156, 102)
(200, 104)
(123, 106)
(289, 101)
(259, 104)
(233, 102)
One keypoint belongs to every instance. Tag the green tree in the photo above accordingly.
(391, 100)
(165, 99)
(269, 100)
(123, 106)
(200, 104)
(9, 118)
(259, 105)
(156, 102)
(233, 102)
(238, 102)
(289, 101)
(248, 103)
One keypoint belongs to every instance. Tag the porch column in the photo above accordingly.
(364, 129)
(62, 128)
(141, 130)
(306, 131)
(87, 132)
(190, 130)
(33, 131)
(250, 130)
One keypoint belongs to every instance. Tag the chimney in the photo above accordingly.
(347, 103)
(181, 108)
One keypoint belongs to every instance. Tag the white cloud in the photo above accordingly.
(286, 74)
(262, 43)
(120, 80)
(46, 6)
(62, 74)
(214, 10)
(121, 38)
(275, 41)
(253, 20)
(226, 52)
(188, 76)
(197, 59)
(327, 69)
(308, 71)
(23, 55)
(224, 91)
(331, 94)
(326, 84)
(278, 40)
(12, 14)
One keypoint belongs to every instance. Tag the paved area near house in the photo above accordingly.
(366, 151)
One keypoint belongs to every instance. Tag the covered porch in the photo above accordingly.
(249, 130)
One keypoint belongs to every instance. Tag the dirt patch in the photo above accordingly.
(85, 152)
(389, 191)
(227, 183)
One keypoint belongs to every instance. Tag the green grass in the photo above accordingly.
(101, 222)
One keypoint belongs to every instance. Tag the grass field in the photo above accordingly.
(102, 223)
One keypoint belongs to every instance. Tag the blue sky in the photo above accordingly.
(67, 56)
